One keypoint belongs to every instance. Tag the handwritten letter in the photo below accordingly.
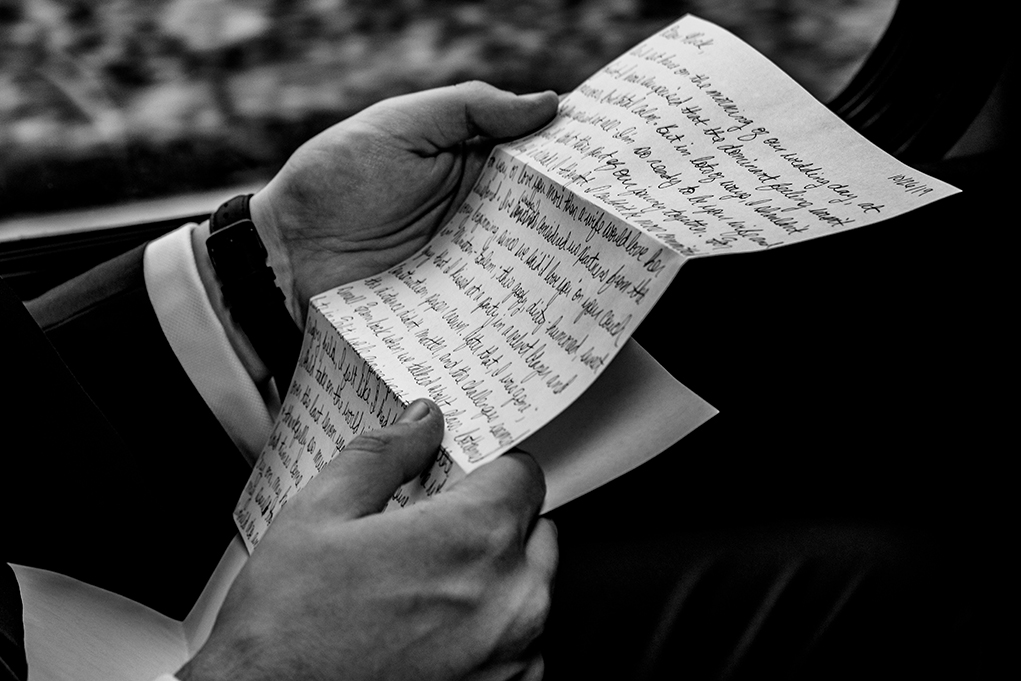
(689, 145)
(510, 313)
(699, 140)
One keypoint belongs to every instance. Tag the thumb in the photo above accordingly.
(363, 477)
(444, 117)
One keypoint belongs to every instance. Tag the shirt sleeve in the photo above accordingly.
(200, 343)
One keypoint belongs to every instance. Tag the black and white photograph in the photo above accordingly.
(438, 339)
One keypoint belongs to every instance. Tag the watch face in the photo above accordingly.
(237, 252)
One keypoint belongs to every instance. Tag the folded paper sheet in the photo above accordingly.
(691, 144)
(78, 632)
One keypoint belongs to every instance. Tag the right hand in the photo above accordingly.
(454, 587)
(369, 192)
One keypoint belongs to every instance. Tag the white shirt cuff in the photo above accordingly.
(198, 339)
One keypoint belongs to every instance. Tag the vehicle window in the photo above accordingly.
(110, 102)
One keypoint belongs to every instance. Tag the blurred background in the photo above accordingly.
(112, 102)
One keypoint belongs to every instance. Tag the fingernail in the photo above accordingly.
(416, 411)
(539, 95)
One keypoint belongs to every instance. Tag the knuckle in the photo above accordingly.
(458, 537)
(544, 600)
(486, 534)
(541, 592)
(371, 453)
(369, 443)
(499, 530)
(471, 590)
(532, 608)
(501, 541)
(537, 670)
(477, 85)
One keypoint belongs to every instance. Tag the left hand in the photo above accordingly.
(369, 192)
(456, 587)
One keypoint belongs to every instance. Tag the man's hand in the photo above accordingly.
(370, 191)
(454, 587)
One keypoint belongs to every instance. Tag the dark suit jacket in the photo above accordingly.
(840, 518)
(115, 472)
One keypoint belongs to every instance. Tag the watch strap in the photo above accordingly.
(249, 288)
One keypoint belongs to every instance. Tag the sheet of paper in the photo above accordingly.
(696, 138)
(75, 631)
(691, 144)
(199, 622)
(509, 314)
(634, 402)
(633, 411)
(78, 632)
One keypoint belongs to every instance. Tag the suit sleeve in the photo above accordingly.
(120, 461)
(114, 300)
(240, 394)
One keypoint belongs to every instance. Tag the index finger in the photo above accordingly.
(512, 484)
(444, 117)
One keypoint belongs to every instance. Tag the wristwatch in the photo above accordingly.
(249, 288)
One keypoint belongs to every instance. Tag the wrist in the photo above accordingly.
(267, 223)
